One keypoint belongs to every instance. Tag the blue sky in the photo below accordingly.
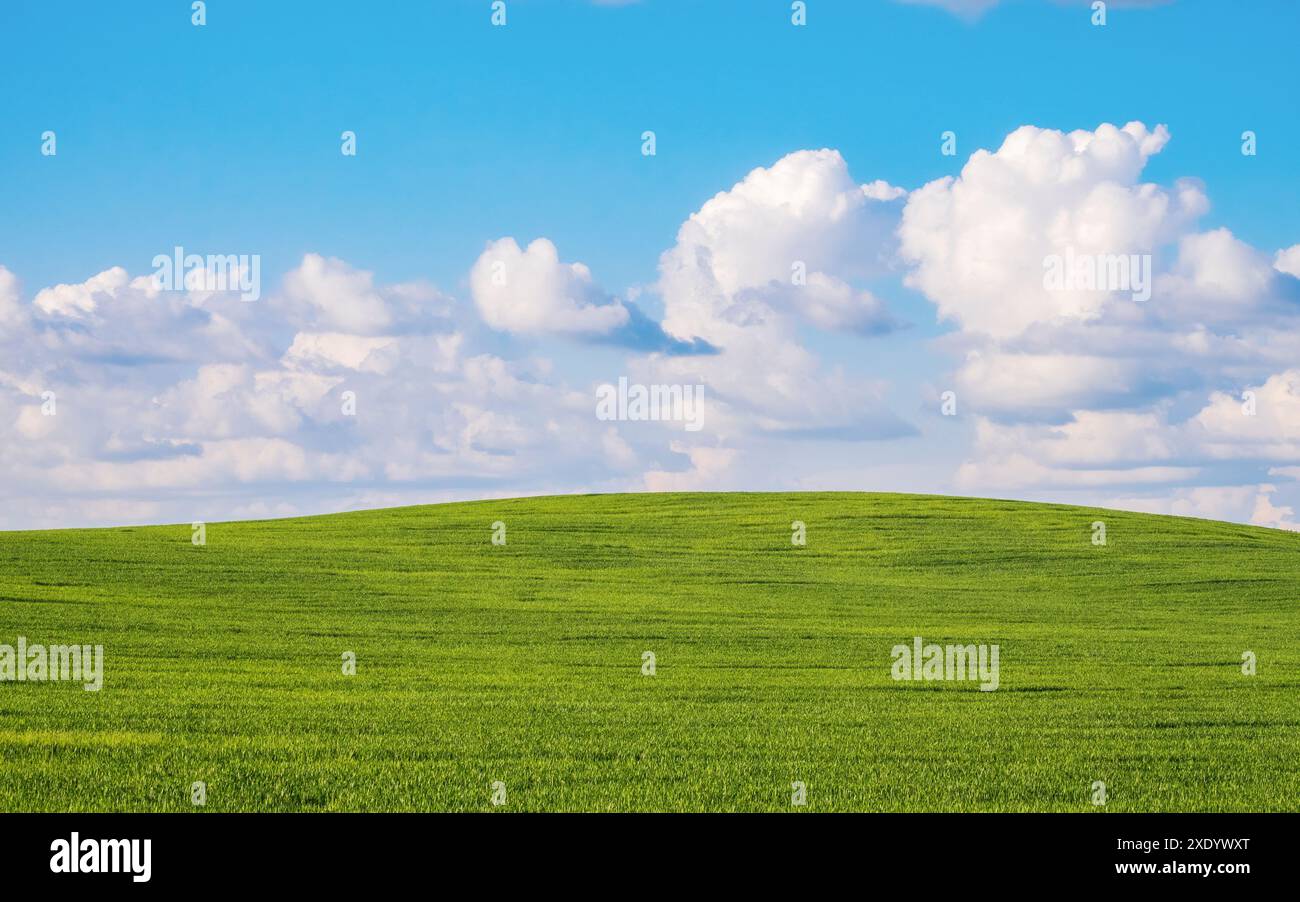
(229, 135)
(225, 139)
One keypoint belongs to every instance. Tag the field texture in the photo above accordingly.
(522, 663)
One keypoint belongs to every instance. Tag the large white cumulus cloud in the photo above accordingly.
(978, 241)
(734, 265)
(789, 244)
(1091, 385)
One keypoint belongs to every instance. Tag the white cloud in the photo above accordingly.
(1089, 438)
(1089, 449)
(978, 242)
(1217, 278)
(736, 257)
(1271, 432)
(531, 291)
(1204, 502)
(12, 314)
(243, 460)
(731, 280)
(1083, 388)
(338, 349)
(1268, 514)
(330, 295)
(1288, 260)
(85, 297)
(1015, 384)
(833, 305)
(203, 406)
(708, 469)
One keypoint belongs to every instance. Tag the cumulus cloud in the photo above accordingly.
(708, 469)
(788, 244)
(983, 246)
(1268, 514)
(81, 299)
(980, 245)
(802, 220)
(1251, 504)
(195, 405)
(530, 291)
(978, 242)
(1288, 261)
(330, 295)
(1085, 384)
(1262, 422)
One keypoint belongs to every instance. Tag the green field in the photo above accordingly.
(522, 663)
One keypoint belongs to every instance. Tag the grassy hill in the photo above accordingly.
(522, 663)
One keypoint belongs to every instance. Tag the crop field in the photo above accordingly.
(517, 673)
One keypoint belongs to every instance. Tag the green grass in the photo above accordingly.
(522, 663)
